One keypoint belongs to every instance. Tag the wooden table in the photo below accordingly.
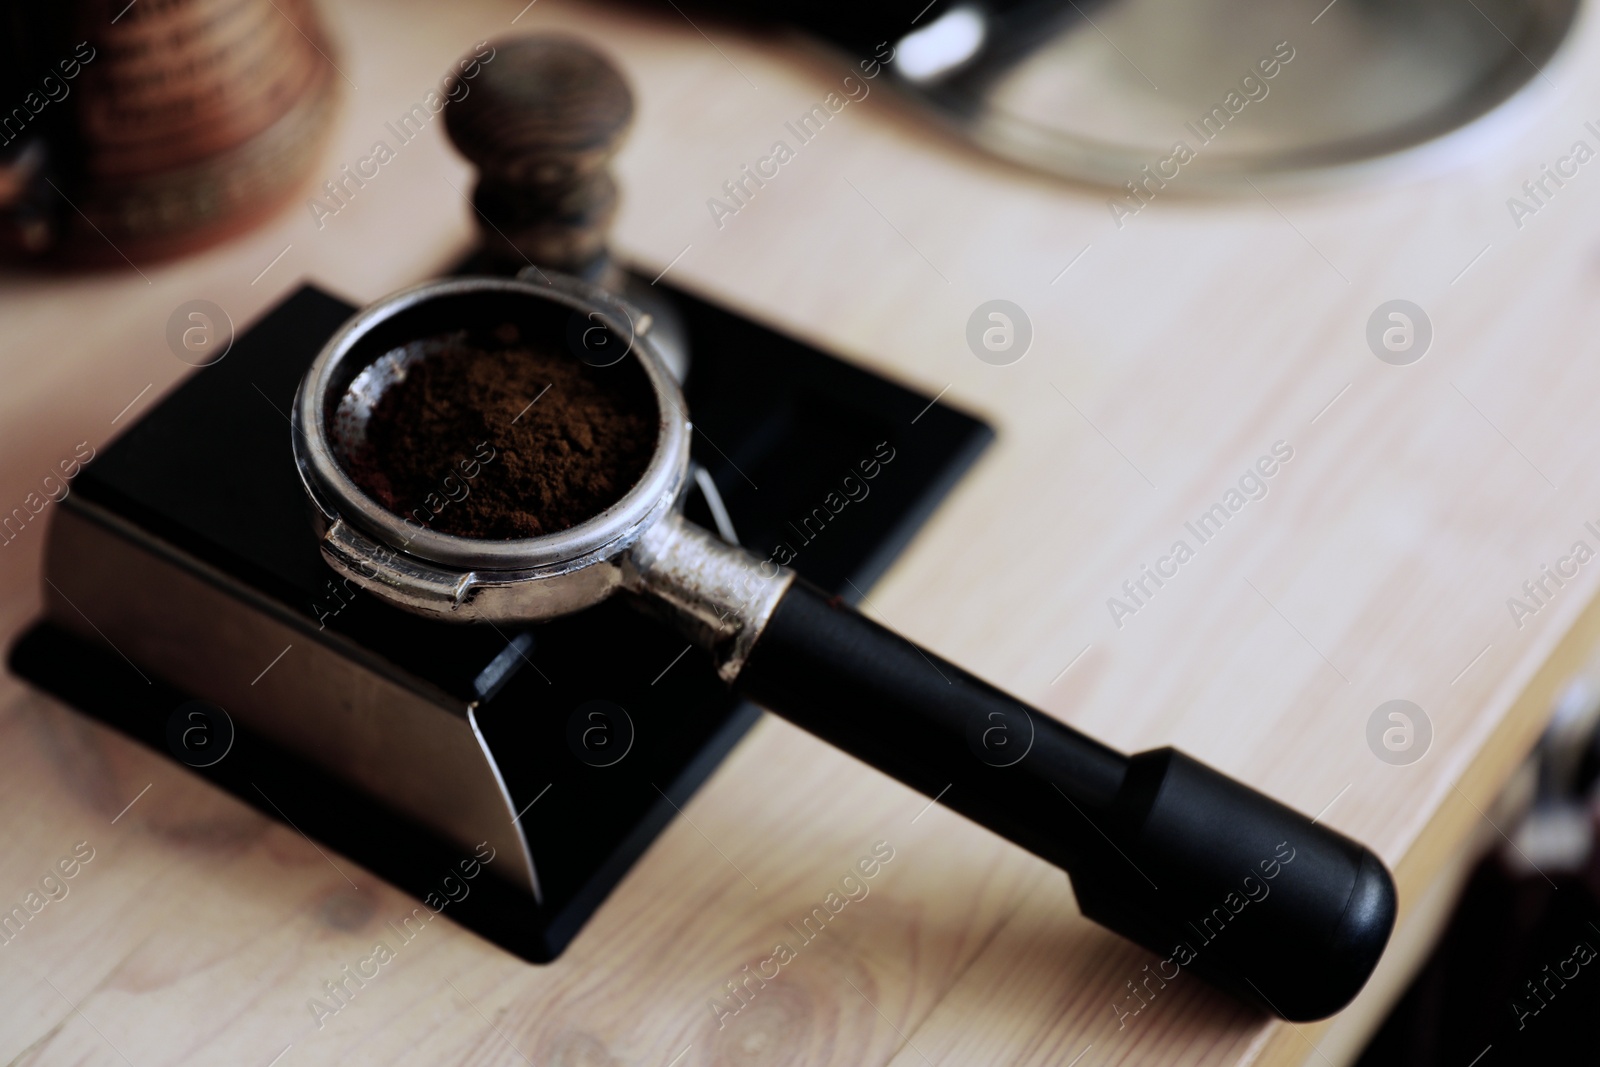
(1170, 356)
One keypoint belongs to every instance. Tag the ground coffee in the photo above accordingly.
(568, 439)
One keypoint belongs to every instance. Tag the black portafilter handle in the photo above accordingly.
(1211, 875)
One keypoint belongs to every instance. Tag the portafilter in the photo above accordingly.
(1193, 865)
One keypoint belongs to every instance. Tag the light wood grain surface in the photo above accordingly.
(1176, 351)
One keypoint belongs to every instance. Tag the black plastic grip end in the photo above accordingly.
(1250, 894)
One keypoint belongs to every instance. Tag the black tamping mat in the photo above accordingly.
(598, 725)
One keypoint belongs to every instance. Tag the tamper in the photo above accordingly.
(541, 122)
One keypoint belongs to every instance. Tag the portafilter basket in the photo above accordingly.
(1199, 868)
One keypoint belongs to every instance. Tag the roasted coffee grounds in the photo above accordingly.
(497, 438)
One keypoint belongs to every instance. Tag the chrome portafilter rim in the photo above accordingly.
(431, 572)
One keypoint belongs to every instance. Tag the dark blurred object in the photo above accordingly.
(141, 131)
(862, 26)
(1516, 977)
(541, 125)
(27, 210)
(31, 36)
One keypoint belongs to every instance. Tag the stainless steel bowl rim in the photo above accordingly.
(605, 536)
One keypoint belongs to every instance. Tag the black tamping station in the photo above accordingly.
(456, 693)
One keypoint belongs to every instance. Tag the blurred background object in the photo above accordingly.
(1104, 90)
(1515, 973)
(143, 131)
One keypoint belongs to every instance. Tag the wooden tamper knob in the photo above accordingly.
(541, 122)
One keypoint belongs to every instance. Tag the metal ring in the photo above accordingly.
(602, 537)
